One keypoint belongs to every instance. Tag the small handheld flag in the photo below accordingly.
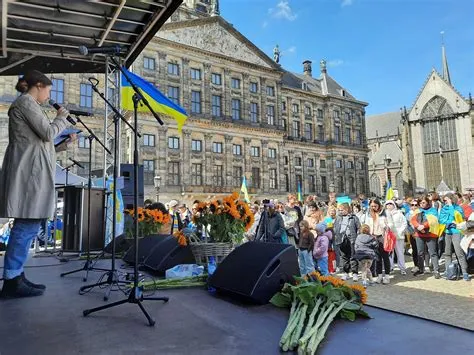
(300, 195)
(243, 189)
(158, 102)
(390, 194)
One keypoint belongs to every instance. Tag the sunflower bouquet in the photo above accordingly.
(315, 301)
(225, 221)
(149, 221)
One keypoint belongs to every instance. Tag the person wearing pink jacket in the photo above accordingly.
(321, 245)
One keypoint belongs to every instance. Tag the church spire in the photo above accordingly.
(445, 61)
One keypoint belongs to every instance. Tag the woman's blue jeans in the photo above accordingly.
(22, 233)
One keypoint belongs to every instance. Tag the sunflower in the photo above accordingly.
(181, 238)
(336, 282)
(360, 292)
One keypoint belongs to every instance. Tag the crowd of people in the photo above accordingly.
(348, 238)
(428, 228)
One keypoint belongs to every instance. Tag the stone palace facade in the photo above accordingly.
(247, 117)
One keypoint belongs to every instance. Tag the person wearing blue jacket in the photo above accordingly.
(447, 216)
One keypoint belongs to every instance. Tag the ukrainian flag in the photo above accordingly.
(158, 102)
(390, 194)
(300, 194)
(244, 190)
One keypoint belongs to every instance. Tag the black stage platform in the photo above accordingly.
(193, 322)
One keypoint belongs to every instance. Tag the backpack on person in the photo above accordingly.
(453, 271)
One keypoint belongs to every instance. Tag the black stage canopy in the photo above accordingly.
(45, 34)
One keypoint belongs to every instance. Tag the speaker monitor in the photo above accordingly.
(168, 253)
(159, 253)
(75, 217)
(122, 244)
(255, 271)
(145, 245)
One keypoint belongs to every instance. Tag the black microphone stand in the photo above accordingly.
(67, 168)
(111, 274)
(136, 294)
(89, 265)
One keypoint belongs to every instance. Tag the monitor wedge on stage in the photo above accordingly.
(145, 246)
(167, 254)
(255, 271)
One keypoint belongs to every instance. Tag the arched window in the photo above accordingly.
(440, 144)
(375, 187)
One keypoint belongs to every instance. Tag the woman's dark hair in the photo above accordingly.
(30, 79)
(425, 198)
(21, 86)
(313, 204)
(378, 203)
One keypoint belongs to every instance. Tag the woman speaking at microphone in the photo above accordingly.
(27, 177)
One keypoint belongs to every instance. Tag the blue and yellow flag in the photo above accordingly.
(390, 194)
(243, 189)
(158, 102)
(300, 195)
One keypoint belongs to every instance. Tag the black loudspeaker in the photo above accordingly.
(167, 254)
(145, 246)
(126, 171)
(75, 217)
(255, 271)
(122, 244)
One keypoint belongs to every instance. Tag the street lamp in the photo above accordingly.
(157, 183)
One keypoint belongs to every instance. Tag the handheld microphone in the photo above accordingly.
(104, 50)
(57, 107)
(77, 163)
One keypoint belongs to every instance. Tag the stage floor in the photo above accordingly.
(192, 322)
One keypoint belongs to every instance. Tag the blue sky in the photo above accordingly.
(381, 51)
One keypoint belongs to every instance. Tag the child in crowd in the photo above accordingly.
(305, 245)
(365, 246)
(320, 251)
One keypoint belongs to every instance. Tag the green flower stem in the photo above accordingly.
(319, 336)
(294, 306)
(286, 337)
(296, 335)
(302, 348)
(320, 320)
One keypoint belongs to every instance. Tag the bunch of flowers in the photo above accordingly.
(315, 301)
(149, 221)
(226, 221)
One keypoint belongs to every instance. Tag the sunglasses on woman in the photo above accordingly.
(414, 204)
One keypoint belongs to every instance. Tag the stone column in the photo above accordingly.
(162, 68)
(206, 91)
(226, 94)
(247, 165)
(162, 160)
(245, 113)
(186, 149)
(291, 169)
(185, 87)
(208, 168)
(227, 170)
(264, 174)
